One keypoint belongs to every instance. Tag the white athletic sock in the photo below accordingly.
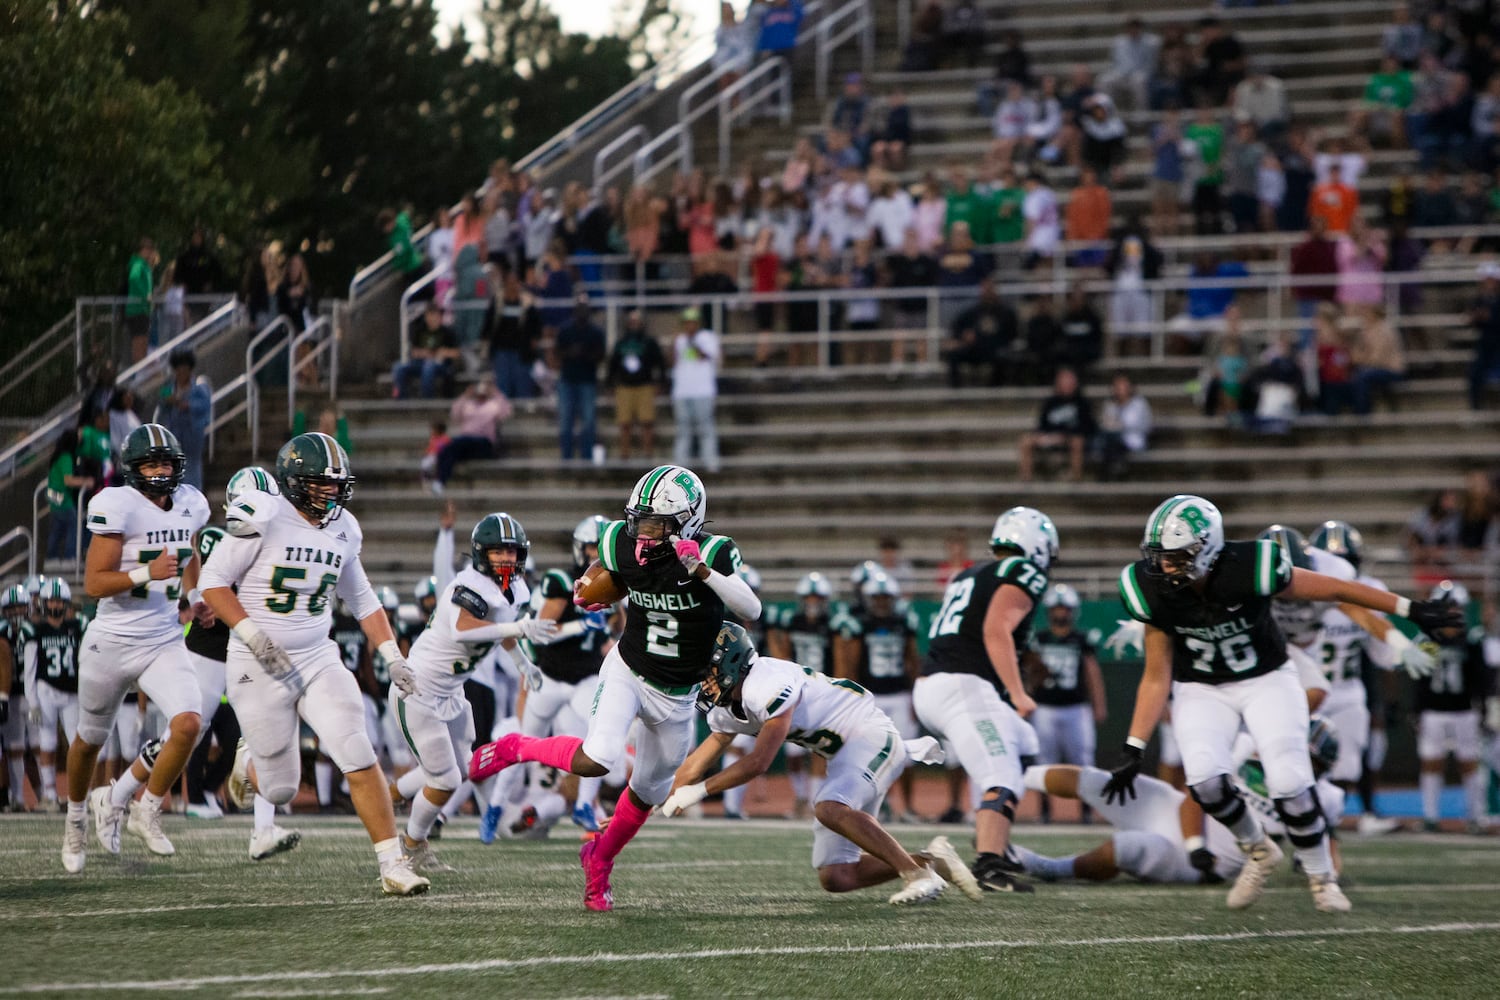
(424, 813)
(410, 783)
(323, 779)
(1375, 752)
(799, 785)
(1432, 787)
(588, 789)
(77, 811)
(550, 807)
(124, 789)
(17, 765)
(1035, 777)
(151, 803)
(734, 799)
(482, 792)
(1316, 860)
(1475, 786)
(388, 852)
(457, 799)
(506, 786)
(48, 774)
(1041, 865)
(265, 813)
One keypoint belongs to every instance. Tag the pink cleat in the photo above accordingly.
(492, 758)
(597, 895)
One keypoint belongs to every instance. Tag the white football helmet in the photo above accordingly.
(881, 585)
(1029, 530)
(251, 477)
(388, 600)
(1184, 531)
(814, 585)
(587, 533)
(1450, 590)
(56, 589)
(751, 576)
(1060, 595)
(671, 496)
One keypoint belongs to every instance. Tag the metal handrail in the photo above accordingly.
(406, 297)
(602, 177)
(252, 388)
(55, 332)
(828, 42)
(732, 105)
(20, 531)
(321, 330)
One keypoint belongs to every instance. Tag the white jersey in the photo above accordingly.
(1301, 620)
(146, 531)
(288, 570)
(440, 657)
(826, 713)
(1341, 641)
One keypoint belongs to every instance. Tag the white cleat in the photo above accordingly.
(923, 888)
(423, 858)
(1371, 825)
(1327, 896)
(1260, 861)
(208, 809)
(75, 840)
(397, 879)
(951, 868)
(238, 788)
(272, 840)
(107, 818)
(145, 823)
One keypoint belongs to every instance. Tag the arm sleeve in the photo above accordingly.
(723, 558)
(442, 557)
(1273, 568)
(354, 587)
(233, 557)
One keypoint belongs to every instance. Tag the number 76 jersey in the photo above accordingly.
(146, 531)
(288, 571)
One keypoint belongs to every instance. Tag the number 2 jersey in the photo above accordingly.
(441, 660)
(671, 619)
(1227, 632)
(956, 636)
(146, 531)
(288, 571)
(826, 713)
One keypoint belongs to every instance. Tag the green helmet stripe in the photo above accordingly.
(651, 483)
(1265, 562)
(1161, 519)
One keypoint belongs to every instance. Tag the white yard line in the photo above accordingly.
(716, 954)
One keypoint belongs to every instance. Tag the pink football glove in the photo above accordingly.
(688, 554)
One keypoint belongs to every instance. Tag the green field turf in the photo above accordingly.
(714, 909)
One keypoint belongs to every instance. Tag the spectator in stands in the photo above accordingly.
(509, 325)
(1379, 360)
(171, 312)
(1167, 173)
(1008, 200)
(1298, 177)
(1471, 208)
(1124, 427)
(1440, 118)
(733, 47)
(695, 359)
(184, 408)
(552, 281)
(955, 558)
(1066, 422)
(1434, 202)
(1013, 62)
(1478, 519)
(910, 267)
(1220, 63)
(890, 211)
(468, 225)
(1207, 137)
(894, 138)
(930, 217)
(474, 425)
(850, 114)
(1382, 116)
(921, 53)
(779, 24)
(1242, 159)
(139, 285)
(1132, 262)
(94, 452)
(199, 271)
(861, 315)
(963, 30)
(440, 250)
(1039, 209)
(1224, 375)
(1046, 124)
(1082, 341)
(1271, 395)
(540, 227)
(1261, 98)
(1072, 98)
(122, 420)
(405, 257)
(1334, 201)
(1010, 122)
(434, 348)
(1484, 127)
(1335, 367)
(893, 564)
(1484, 317)
(63, 486)
(580, 347)
(1169, 85)
(1132, 64)
(1432, 536)
(1401, 40)
(637, 367)
(1103, 137)
(1270, 189)
(960, 269)
(331, 421)
(1206, 302)
(1404, 256)
(1315, 257)
(1087, 217)
(984, 335)
(1361, 257)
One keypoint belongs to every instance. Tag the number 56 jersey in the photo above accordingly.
(146, 531)
(288, 571)
(826, 713)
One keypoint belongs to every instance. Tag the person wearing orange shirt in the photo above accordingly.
(1333, 201)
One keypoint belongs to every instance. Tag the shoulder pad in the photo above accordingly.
(846, 625)
(250, 515)
(721, 554)
(1018, 571)
(1133, 595)
(556, 584)
(609, 540)
(106, 513)
(470, 601)
(1272, 568)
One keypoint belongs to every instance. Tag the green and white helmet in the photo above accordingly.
(586, 532)
(251, 477)
(1030, 531)
(55, 589)
(1060, 595)
(498, 531)
(733, 656)
(1186, 531)
(425, 588)
(152, 443)
(13, 601)
(388, 599)
(1342, 539)
(311, 460)
(1450, 590)
(880, 585)
(1292, 541)
(814, 585)
(670, 495)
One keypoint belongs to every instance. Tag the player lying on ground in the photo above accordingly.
(778, 701)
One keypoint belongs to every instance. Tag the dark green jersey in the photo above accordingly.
(1461, 679)
(1225, 633)
(811, 639)
(574, 659)
(57, 653)
(18, 634)
(956, 636)
(1063, 657)
(883, 642)
(672, 619)
(351, 640)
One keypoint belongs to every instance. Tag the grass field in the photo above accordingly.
(714, 909)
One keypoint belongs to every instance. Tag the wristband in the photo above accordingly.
(247, 631)
(390, 650)
(140, 576)
(195, 596)
(1192, 844)
(1134, 743)
(1403, 606)
(1397, 641)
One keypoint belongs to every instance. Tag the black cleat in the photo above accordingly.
(998, 874)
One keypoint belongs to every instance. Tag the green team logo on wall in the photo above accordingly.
(685, 480)
(1195, 519)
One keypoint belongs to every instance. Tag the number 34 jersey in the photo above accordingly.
(826, 713)
(146, 531)
(1226, 633)
(442, 660)
(288, 571)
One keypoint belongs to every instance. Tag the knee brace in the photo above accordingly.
(1219, 799)
(1303, 818)
(1003, 802)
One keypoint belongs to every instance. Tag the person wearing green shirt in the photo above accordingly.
(1207, 136)
(405, 257)
(1008, 224)
(1387, 96)
(139, 284)
(62, 497)
(965, 204)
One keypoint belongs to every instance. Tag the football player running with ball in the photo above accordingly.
(1212, 642)
(680, 581)
(273, 580)
(777, 701)
(143, 554)
(482, 606)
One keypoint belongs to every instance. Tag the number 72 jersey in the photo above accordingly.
(146, 531)
(957, 630)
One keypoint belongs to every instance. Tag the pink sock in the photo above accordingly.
(554, 751)
(628, 819)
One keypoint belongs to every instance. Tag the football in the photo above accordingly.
(598, 586)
